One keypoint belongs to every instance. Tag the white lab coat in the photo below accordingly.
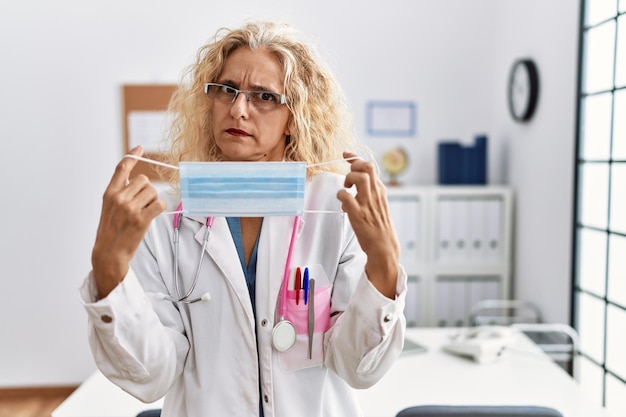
(203, 357)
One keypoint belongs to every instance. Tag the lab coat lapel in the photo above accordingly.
(221, 248)
(271, 261)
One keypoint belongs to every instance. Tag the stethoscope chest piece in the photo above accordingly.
(283, 335)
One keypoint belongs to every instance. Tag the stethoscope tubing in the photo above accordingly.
(177, 223)
(178, 217)
(284, 332)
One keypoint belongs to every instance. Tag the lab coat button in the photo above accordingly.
(387, 318)
(264, 322)
(266, 398)
(106, 318)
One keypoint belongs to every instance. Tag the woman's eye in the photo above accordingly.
(265, 96)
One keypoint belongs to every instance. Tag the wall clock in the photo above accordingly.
(523, 90)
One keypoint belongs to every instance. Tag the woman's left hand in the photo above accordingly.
(368, 212)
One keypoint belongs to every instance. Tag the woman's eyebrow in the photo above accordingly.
(253, 87)
(258, 87)
(228, 82)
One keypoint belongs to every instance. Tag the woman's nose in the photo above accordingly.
(240, 107)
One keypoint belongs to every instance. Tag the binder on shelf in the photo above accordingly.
(476, 230)
(452, 301)
(479, 156)
(443, 314)
(454, 230)
(411, 310)
(449, 162)
(491, 289)
(467, 165)
(476, 292)
(493, 229)
(458, 301)
(483, 288)
(475, 162)
(445, 232)
(461, 230)
(405, 214)
(464, 165)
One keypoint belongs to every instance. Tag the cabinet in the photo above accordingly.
(456, 247)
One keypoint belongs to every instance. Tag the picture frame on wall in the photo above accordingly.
(391, 118)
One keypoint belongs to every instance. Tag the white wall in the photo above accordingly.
(63, 64)
(541, 154)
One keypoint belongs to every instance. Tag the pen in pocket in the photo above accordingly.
(305, 285)
(298, 285)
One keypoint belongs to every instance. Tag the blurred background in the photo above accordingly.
(64, 64)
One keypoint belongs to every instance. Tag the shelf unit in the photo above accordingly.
(456, 248)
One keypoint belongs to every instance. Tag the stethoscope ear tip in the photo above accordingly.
(161, 296)
(204, 297)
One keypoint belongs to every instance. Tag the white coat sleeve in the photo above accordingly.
(138, 350)
(367, 328)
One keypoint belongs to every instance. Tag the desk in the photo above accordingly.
(523, 375)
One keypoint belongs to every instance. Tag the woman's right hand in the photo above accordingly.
(127, 211)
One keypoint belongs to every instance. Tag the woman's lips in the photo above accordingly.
(237, 132)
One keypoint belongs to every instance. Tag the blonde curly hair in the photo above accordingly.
(320, 122)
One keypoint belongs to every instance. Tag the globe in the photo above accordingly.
(394, 162)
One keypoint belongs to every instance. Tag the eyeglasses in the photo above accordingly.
(262, 100)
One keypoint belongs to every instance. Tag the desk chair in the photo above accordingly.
(503, 312)
(478, 411)
(150, 413)
(559, 341)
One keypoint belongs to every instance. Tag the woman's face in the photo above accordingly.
(242, 131)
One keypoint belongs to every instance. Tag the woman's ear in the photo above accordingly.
(290, 121)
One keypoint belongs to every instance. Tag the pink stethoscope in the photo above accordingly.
(284, 332)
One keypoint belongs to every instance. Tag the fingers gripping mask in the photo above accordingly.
(242, 189)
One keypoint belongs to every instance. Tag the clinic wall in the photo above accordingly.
(64, 63)
(540, 155)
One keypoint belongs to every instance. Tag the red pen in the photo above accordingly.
(297, 285)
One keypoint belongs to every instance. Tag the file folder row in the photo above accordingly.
(411, 308)
(455, 296)
(469, 230)
(405, 214)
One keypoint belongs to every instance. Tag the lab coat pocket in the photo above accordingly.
(298, 313)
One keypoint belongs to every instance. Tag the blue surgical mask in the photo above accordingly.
(242, 189)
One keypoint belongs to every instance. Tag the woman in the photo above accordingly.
(255, 94)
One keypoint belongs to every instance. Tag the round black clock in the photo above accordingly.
(523, 91)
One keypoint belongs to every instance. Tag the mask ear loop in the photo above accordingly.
(151, 161)
(163, 164)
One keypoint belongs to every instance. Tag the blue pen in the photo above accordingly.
(305, 285)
